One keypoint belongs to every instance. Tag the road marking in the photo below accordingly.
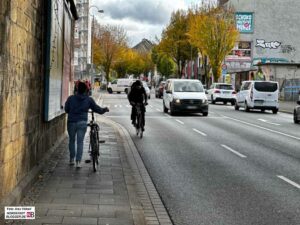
(265, 121)
(167, 115)
(116, 106)
(179, 121)
(264, 128)
(158, 110)
(289, 181)
(199, 132)
(233, 151)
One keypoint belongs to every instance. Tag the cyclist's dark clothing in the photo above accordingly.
(136, 95)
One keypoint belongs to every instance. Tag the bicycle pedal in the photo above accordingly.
(102, 141)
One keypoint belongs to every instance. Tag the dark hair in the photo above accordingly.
(81, 88)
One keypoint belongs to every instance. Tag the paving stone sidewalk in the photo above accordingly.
(119, 193)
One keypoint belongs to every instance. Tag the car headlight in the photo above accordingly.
(177, 101)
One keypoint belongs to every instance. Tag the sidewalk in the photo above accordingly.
(119, 193)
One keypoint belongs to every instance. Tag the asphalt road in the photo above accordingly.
(231, 167)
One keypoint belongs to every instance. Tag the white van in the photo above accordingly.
(119, 85)
(261, 95)
(184, 95)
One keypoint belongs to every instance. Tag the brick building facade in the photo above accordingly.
(25, 138)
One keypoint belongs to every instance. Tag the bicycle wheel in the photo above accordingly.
(95, 150)
(141, 126)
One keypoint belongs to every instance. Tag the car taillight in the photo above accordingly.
(251, 94)
(217, 92)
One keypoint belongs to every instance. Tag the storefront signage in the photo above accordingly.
(271, 45)
(244, 22)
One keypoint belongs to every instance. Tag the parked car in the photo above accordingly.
(159, 90)
(261, 95)
(145, 85)
(184, 95)
(119, 85)
(297, 111)
(221, 92)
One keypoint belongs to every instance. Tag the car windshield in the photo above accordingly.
(265, 86)
(224, 86)
(187, 86)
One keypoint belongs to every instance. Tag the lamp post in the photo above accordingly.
(92, 36)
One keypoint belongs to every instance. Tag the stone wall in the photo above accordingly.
(24, 137)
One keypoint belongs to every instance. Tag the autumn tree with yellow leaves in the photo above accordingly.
(214, 33)
(175, 43)
(108, 44)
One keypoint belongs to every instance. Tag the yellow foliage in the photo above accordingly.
(214, 33)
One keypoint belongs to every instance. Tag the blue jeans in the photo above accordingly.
(76, 130)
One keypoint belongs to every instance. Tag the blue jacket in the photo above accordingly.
(77, 106)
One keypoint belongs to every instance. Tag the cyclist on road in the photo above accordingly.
(137, 95)
(77, 107)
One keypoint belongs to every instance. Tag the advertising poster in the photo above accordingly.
(244, 22)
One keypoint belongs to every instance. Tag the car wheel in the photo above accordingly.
(109, 90)
(236, 106)
(165, 108)
(225, 103)
(232, 103)
(275, 111)
(295, 117)
(247, 109)
(212, 100)
(205, 114)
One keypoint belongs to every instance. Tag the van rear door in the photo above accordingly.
(265, 91)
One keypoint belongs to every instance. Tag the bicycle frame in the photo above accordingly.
(94, 141)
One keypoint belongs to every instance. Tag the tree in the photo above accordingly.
(175, 42)
(165, 65)
(213, 31)
(109, 41)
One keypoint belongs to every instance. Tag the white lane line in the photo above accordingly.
(266, 121)
(264, 128)
(199, 132)
(116, 106)
(289, 181)
(179, 121)
(233, 151)
(158, 110)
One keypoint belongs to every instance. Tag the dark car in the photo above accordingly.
(297, 111)
(159, 90)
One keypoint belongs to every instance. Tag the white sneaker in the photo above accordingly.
(71, 163)
(78, 164)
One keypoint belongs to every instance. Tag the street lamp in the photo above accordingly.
(92, 34)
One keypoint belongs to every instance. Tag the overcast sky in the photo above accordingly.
(140, 18)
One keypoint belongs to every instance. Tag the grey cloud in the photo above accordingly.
(145, 11)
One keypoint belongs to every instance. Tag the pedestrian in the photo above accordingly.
(77, 107)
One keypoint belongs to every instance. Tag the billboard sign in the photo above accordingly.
(244, 22)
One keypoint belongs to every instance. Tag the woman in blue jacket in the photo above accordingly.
(77, 107)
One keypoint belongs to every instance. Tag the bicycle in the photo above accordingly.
(94, 142)
(140, 120)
